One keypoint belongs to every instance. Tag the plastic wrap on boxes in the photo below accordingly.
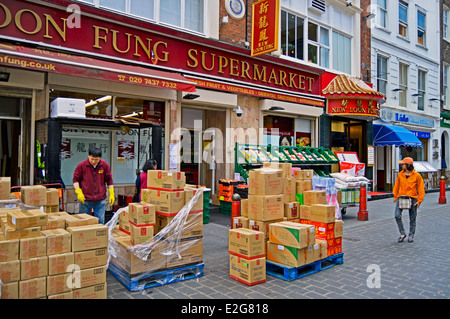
(160, 252)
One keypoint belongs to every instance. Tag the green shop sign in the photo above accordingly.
(445, 120)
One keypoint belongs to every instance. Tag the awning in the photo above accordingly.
(82, 66)
(394, 135)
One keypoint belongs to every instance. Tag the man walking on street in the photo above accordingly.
(89, 180)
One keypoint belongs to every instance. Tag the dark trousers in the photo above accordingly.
(412, 218)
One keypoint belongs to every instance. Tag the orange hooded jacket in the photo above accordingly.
(412, 186)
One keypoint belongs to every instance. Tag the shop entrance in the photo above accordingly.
(13, 160)
(204, 161)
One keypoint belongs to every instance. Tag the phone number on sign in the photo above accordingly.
(147, 81)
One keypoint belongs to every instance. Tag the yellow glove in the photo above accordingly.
(80, 195)
(111, 196)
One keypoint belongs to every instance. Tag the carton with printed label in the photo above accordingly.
(268, 207)
(166, 180)
(89, 237)
(246, 243)
(248, 271)
(265, 181)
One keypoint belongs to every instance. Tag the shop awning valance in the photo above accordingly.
(384, 135)
(83, 66)
(345, 85)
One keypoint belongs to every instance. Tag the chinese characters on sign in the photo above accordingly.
(265, 26)
(347, 106)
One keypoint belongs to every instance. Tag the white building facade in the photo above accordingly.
(405, 57)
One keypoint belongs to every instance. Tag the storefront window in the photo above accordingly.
(416, 153)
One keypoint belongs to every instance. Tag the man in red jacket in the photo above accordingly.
(89, 181)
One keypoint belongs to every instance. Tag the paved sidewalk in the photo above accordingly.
(407, 270)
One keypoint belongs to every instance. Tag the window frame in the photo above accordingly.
(445, 85)
(422, 29)
(383, 77)
(422, 91)
(382, 14)
(402, 23)
(403, 95)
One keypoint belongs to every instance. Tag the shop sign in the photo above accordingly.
(265, 26)
(352, 106)
(414, 119)
(445, 120)
(45, 25)
(420, 134)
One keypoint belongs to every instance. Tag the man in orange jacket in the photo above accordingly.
(409, 183)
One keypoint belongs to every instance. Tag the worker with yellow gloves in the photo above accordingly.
(89, 180)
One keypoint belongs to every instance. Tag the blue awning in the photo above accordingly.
(394, 135)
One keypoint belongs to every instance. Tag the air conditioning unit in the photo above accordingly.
(317, 6)
(435, 143)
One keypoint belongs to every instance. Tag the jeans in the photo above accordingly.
(99, 209)
(412, 218)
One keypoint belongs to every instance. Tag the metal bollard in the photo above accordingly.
(442, 199)
(363, 214)
(235, 207)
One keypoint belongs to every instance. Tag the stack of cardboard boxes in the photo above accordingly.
(51, 255)
(297, 224)
(174, 240)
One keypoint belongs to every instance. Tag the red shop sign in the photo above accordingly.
(353, 106)
(265, 26)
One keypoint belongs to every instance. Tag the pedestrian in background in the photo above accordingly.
(408, 193)
(89, 180)
(141, 179)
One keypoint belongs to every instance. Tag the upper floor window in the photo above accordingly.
(403, 19)
(421, 27)
(292, 35)
(421, 90)
(445, 22)
(382, 13)
(403, 84)
(185, 14)
(382, 74)
(342, 53)
(445, 84)
(318, 45)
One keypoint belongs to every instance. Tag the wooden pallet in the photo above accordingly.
(290, 273)
(155, 278)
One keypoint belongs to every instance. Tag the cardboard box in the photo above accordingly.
(33, 195)
(80, 220)
(166, 180)
(33, 267)
(262, 226)
(248, 271)
(142, 214)
(145, 195)
(64, 295)
(89, 237)
(292, 210)
(323, 213)
(10, 271)
(27, 218)
(291, 234)
(12, 233)
(239, 222)
(324, 230)
(5, 188)
(117, 232)
(91, 258)
(303, 185)
(265, 181)
(286, 168)
(286, 255)
(51, 209)
(89, 277)
(124, 221)
(131, 264)
(246, 243)
(167, 202)
(323, 248)
(188, 194)
(52, 197)
(32, 247)
(338, 228)
(141, 234)
(304, 174)
(193, 226)
(33, 288)
(57, 284)
(305, 212)
(288, 190)
(188, 251)
(314, 197)
(9, 249)
(54, 222)
(91, 292)
(59, 241)
(9, 290)
(60, 263)
(269, 207)
(244, 207)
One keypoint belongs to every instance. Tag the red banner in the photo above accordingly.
(265, 26)
(353, 106)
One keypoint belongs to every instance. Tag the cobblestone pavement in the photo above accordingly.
(406, 270)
